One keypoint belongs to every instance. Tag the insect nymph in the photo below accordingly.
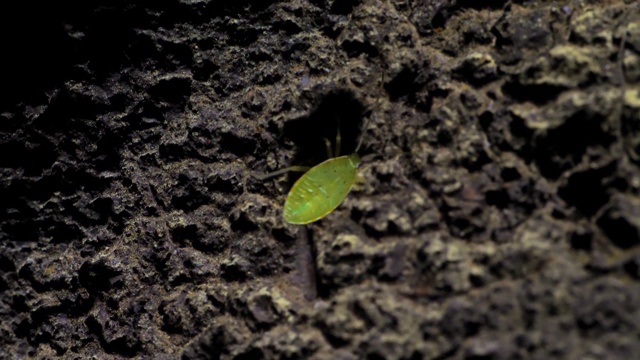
(321, 189)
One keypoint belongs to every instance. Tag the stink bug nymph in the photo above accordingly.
(322, 188)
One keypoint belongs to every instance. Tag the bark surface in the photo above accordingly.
(499, 217)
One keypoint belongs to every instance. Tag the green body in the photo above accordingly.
(321, 189)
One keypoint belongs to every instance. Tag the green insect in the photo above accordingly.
(322, 188)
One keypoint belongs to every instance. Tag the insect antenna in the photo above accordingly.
(366, 123)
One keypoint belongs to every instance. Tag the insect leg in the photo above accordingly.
(359, 183)
(327, 143)
(280, 172)
(338, 137)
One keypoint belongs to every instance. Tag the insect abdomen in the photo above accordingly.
(320, 190)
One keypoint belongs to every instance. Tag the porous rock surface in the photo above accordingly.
(498, 217)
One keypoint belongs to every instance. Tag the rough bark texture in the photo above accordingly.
(499, 217)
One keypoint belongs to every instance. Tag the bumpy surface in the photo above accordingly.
(499, 217)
